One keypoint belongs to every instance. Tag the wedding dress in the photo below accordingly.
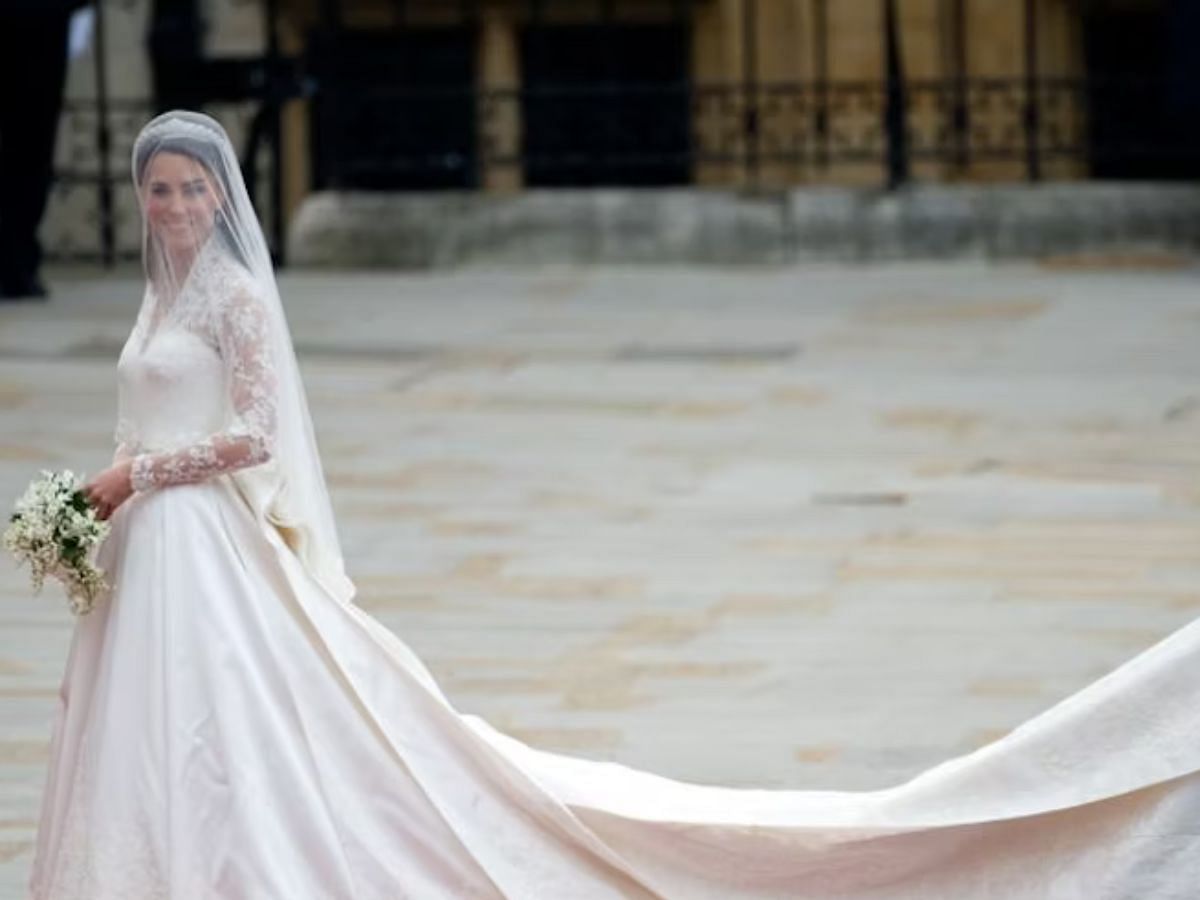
(232, 726)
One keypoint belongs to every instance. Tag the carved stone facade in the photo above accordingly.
(767, 95)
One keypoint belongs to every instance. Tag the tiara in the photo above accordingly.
(173, 123)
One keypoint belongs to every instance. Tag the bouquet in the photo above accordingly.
(54, 529)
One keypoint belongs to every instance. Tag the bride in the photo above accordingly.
(230, 725)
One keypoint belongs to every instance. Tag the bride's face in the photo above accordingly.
(181, 202)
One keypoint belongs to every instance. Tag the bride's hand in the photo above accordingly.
(110, 489)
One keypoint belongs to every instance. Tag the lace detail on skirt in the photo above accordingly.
(97, 859)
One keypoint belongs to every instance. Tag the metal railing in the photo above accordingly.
(665, 134)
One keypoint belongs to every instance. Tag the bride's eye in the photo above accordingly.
(197, 189)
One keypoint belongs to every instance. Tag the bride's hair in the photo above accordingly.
(208, 155)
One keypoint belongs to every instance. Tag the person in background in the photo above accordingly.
(33, 67)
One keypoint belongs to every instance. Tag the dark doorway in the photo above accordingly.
(1144, 88)
(396, 110)
(605, 104)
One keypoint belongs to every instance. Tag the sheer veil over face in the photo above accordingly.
(205, 256)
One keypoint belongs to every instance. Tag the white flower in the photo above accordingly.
(54, 530)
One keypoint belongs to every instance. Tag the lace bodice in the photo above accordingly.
(197, 385)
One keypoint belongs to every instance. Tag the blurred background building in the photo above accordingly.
(371, 129)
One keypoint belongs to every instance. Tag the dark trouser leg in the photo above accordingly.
(33, 64)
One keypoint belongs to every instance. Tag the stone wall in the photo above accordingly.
(699, 225)
(785, 32)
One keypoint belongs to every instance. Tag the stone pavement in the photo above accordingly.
(808, 527)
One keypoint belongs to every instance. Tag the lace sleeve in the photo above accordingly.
(242, 334)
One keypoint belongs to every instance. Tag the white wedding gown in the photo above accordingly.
(228, 729)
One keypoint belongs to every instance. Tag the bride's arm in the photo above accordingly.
(124, 443)
(112, 487)
(243, 337)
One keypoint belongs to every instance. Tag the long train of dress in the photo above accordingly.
(227, 729)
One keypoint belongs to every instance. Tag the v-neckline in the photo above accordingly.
(184, 289)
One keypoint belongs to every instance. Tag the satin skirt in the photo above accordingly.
(227, 729)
